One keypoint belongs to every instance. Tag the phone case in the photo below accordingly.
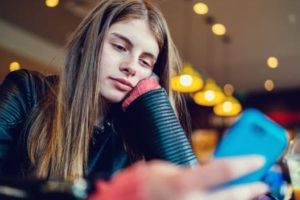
(253, 133)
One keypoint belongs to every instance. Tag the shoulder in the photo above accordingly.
(25, 78)
(27, 85)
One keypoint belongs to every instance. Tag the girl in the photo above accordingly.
(110, 106)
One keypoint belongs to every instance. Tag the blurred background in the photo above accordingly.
(248, 50)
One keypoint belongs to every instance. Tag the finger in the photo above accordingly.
(242, 192)
(220, 171)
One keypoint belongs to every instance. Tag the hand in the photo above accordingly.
(170, 182)
(159, 180)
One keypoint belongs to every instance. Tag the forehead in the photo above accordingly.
(138, 32)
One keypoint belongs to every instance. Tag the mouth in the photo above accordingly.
(122, 84)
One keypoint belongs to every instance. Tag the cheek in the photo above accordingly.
(108, 62)
(144, 73)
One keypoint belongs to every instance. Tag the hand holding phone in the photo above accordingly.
(253, 133)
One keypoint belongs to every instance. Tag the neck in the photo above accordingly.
(104, 108)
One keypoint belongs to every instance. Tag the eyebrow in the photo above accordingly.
(122, 37)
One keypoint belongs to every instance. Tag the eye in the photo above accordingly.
(119, 47)
(145, 63)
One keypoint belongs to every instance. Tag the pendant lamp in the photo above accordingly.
(210, 95)
(229, 107)
(189, 80)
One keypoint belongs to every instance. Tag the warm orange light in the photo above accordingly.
(218, 29)
(51, 3)
(14, 66)
(188, 81)
(272, 62)
(210, 95)
(200, 8)
(269, 85)
(229, 107)
(228, 89)
(204, 142)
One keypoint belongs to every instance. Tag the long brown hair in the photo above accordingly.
(59, 136)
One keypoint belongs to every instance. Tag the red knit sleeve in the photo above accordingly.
(142, 87)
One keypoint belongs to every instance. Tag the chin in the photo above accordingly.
(114, 97)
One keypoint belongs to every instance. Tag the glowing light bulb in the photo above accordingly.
(186, 80)
(14, 66)
(209, 95)
(272, 62)
(227, 106)
(228, 89)
(269, 85)
(219, 29)
(51, 3)
(200, 8)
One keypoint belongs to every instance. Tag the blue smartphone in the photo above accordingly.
(253, 133)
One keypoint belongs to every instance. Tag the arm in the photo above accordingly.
(158, 180)
(157, 131)
(17, 97)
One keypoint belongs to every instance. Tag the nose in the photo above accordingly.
(128, 67)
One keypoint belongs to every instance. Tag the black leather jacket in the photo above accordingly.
(157, 132)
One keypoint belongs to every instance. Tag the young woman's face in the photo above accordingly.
(129, 53)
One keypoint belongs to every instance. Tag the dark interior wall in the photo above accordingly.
(282, 106)
(7, 57)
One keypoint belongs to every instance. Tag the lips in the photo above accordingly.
(122, 84)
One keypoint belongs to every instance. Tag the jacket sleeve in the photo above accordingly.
(16, 100)
(157, 131)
